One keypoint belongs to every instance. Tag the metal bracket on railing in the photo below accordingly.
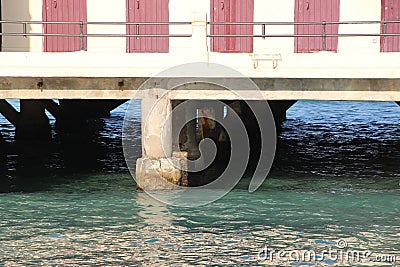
(24, 30)
(137, 30)
(263, 31)
(81, 36)
(266, 57)
(324, 36)
(384, 28)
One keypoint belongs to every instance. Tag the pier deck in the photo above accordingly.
(84, 75)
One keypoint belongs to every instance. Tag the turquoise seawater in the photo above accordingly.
(336, 176)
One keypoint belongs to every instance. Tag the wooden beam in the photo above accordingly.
(9, 112)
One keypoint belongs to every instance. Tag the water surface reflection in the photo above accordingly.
(336, 176)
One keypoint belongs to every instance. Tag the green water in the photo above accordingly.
(101, 220)
(336, 176)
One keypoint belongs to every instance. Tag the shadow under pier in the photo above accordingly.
(42, 152)
(32, 123)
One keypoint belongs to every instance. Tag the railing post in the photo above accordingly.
(324, 36)
(81, 36)
(24, 29)
(263, 31)
(384, 28)
(137, 31)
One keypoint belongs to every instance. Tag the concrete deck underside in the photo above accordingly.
(362, 89)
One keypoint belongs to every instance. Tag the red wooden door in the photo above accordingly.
(316, 11)
(64, 11)
(390, 12)
(232, 11)
(147, 11)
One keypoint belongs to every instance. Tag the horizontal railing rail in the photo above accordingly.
(83, 34)
(94, 22)
(263, 34)
(25, 33)
(324, 35)
(306, 35)
(305, 23)
(95, 35)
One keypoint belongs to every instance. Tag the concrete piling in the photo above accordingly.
(234, 107)
(182, 156)
(177, 120)
(33, 123)
(158, 169)
(190, 144)
(163, 163)
(156, 125)
(207, 126)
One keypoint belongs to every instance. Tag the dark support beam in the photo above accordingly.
(52, 107)
(279, 109)
(9, 112)
(2, 144)
(3, 158)
(72, 114)
(398, 103)
(2, 147)
(88, 108)
(33, 123)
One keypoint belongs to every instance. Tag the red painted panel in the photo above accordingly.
(147, 11)
(64, 11)
(232, 11)
(316, 11)
(390, 12)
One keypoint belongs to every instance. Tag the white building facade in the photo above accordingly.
(353, 45)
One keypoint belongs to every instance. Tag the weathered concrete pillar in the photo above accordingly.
(223, 140)
(249, 119)
(157, 169)
(234, 107)
(33, 123)
(190, 145)
(207, 124)
(156, 125)
(178, 120)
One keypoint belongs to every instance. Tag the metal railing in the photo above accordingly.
(138, 25)
(82, 29)
(323, 33)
